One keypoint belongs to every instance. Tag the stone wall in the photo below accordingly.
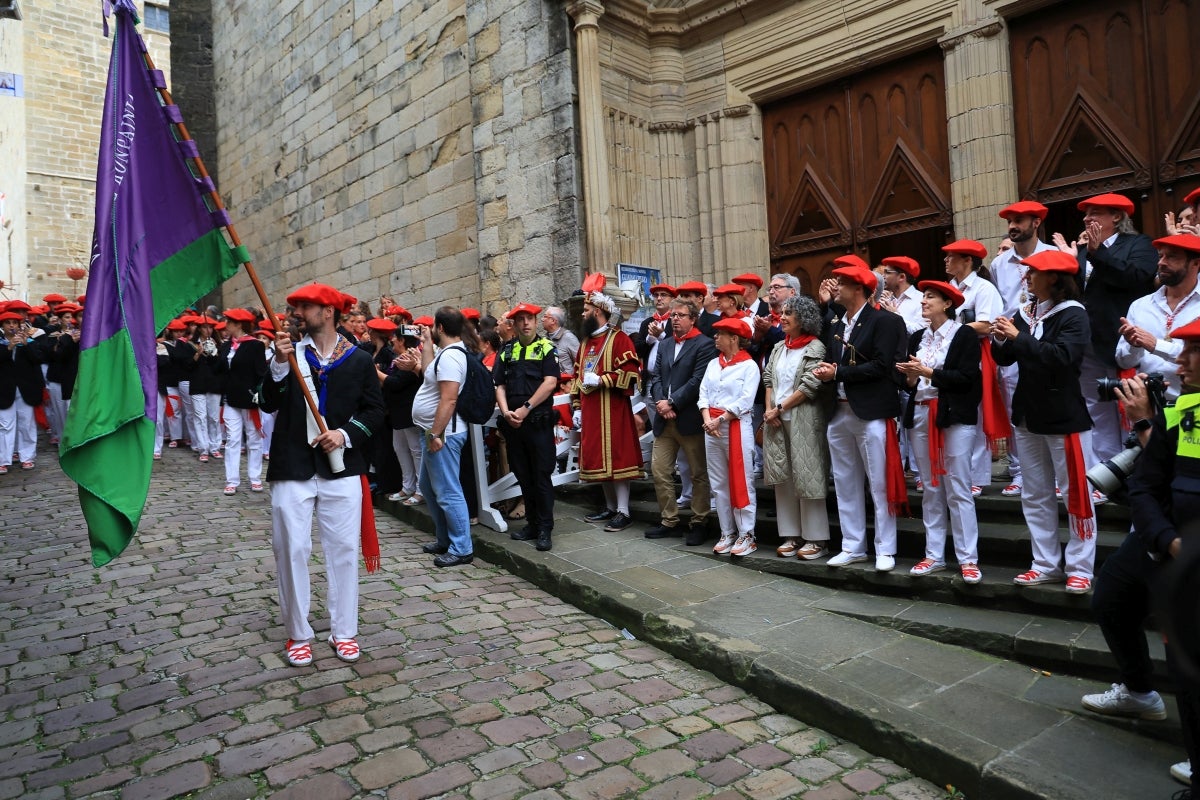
(13, 241)
(421, 150)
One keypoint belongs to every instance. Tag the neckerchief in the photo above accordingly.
(691, 334)
(663, 317)
(796, 342)
(739, 357)
(320, 375)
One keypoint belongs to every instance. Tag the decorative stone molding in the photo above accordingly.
(983, 29)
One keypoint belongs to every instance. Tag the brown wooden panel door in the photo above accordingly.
(1106, 100)
(858, 162)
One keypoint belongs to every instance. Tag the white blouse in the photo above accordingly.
(932, 354)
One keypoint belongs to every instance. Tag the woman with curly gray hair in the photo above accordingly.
(795, 446)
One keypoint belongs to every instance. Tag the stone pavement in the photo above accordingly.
(161, 676)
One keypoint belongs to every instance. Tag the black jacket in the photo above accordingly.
(242, 375)
(20, 371)
(959, 381)
(879, 339)
(1120, 274)
(682, 381)
(354, 403)
(61, 356)
(1164, 489)
(1048, 399)
(399, 390)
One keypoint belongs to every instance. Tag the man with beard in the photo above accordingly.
(303, 474)
(1024, 220)
(1146, 344)
(606, 375)
(900, 295)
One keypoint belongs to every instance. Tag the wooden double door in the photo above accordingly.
(1107, 99)
(862, 167)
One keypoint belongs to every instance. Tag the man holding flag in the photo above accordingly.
(320, 470)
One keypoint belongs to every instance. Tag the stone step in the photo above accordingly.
(990, 724)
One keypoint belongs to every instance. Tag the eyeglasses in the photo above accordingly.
(679, 314)
(777, 286)
(891, 272)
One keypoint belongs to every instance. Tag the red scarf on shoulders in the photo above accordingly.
(797, 342)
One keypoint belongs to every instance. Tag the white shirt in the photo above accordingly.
(785, 374)
(981, 296)
(731, 389)
(1009, 273)
(451, 364)
(932, 353)
(1150, 313)
(1087, 265)
(908, 306)
(851, 321)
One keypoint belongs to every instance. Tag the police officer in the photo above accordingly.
(526, 375)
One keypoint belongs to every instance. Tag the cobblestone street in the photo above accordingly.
(162, 676)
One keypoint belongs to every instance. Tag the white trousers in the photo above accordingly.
(1043, 462)
(716, 451)
(185, 400)
(407, 444)
(949, 505)
(18, 432)
(173, 425)
(858, 456)
(800, 517)
(338, 507)
(56, 410)
(268, 426)
(238, 424)
(1106, 419)
(1008, 384)
(206, 409)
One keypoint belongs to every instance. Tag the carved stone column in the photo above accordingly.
(586, 14)
(979, 111)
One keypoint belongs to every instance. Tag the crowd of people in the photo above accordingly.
(881, 372)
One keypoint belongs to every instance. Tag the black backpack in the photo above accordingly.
(477, 395)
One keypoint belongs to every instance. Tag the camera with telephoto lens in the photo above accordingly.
(1109, 476)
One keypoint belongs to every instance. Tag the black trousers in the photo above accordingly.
(531, 457)
(1121, 603)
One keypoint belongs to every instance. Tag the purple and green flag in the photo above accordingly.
(157, 246)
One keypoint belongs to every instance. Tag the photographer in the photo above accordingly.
(1164, 492)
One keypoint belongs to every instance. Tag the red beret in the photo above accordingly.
(204, 319)
(567, 376)
(731, 289)
(1052, 261)
(318, 294)
(398, 311)
(692, 287)
(523, 308)
(749, 277)
(1192, 197)
(470, 313)
(384, 325)
(239, 315)
(426, 321)
(966, 247)
(81, 299)
(39, 309)
(176, 325)
(54, 298)
(10, 315)
(1187, 332)
(1184, 241)
(220, 326)
(64, 308)
(908, 266)
(860, 275)
(739, 326)
(945, 290)
(1117, 201)
(265, 326)
(664, 287)
(18, 305)
(349, 301)
(851, 260)
(1028, 208)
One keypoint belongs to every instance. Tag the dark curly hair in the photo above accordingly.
(806, 312)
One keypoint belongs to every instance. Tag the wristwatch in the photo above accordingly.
(1143, 425)
(527, 406)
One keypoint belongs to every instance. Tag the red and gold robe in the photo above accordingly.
(608, 445)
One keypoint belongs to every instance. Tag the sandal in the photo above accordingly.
(415, 500)
(518, 511)
(298, 654)
(345, 649)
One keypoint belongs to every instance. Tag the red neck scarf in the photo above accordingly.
(739, 357)
(797, 342)
(691, 334)
(775, 319)
(663, 317)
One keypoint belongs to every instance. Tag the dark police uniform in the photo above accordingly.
(521, 370)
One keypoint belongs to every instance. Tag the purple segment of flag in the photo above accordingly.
(138, 191)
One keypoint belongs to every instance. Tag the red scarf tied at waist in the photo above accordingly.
(897, 490)
(1079, 496)
(739, 492)
(995, 421)
(937, 452)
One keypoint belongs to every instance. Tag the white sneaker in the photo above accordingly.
(1118, 702)
(1012, 490)
(1099, 498)
(844, 558)
(885, 563)
(724, 544)
(1182, 772)
(744, 546)
(926, 566)
(683, 501)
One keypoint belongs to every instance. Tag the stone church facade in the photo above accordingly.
(484, 152)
